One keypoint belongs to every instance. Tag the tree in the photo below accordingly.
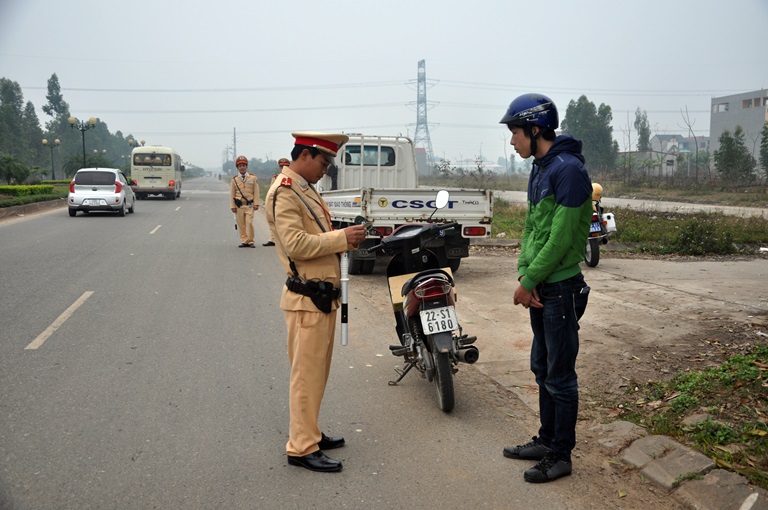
(56, 107)
(592, 126)
(643, 131)
(764, 150)
(75, 162)
(733, 161)
(11, 115)
(443, 168)
(12, 170)
(697, 161)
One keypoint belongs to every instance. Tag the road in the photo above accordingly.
(653, 205)
(143, 365)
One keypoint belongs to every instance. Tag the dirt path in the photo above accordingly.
(647, 319)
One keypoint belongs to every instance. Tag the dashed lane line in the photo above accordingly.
(42, 337)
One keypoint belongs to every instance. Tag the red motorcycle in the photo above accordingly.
(424, 304)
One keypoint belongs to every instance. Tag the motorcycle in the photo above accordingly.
(424, 304)
(602, 227)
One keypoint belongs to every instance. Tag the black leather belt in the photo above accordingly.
(311, 287)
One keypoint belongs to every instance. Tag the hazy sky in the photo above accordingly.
(185, 73)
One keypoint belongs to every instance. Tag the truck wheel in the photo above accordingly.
(355, 264)
(367, 266)
(454, 264)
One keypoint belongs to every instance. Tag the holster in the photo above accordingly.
(238, 202)
(321, 293)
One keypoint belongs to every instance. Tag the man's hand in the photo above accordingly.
(527, 298)
(255, 207)
(234, 209)
(355, 234)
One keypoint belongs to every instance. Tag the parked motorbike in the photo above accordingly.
(424, 304)
(602, 227)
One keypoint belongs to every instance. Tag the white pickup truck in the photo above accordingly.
(376, 177)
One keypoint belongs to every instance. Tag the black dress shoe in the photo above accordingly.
(316, 461)
(268, 243)
(329, 443)
(243, 245)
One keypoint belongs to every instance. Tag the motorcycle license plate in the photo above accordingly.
(595, 227)
(439, 320)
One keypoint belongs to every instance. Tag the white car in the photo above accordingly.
(100, 189)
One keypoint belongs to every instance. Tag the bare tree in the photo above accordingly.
(689, 125)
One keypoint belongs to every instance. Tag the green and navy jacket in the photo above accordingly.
(558, 217)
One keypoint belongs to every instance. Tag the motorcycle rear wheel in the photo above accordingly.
(592, 252)
(444, 381)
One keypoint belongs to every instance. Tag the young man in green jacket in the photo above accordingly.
(551, 286)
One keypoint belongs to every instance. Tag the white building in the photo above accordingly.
(748, 110)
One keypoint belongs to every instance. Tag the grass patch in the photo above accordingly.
(660, 233)
(731, 399)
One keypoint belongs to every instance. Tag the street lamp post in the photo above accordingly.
(83, 126)
(52, 146)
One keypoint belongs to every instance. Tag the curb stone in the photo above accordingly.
(668, 463)
(35, 207)
(729, 490)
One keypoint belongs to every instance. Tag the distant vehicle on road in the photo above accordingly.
(156, 170)
(100, 189)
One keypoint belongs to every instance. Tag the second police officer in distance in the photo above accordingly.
(243, 200)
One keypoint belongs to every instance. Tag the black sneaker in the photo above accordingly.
(532, 450)
(550, 468)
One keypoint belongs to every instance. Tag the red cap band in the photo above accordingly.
(312, 142)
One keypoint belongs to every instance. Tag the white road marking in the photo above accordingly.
(155, 229)
(37, 342)
(179, 207)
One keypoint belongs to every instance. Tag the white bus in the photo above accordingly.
(156, 171)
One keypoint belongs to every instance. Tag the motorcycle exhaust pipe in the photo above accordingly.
(468, 355)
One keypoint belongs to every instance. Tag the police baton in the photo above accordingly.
(235, 221)
(344, 298)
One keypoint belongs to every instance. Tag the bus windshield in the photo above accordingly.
(151, 159)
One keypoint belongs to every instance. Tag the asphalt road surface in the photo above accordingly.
(143, 365)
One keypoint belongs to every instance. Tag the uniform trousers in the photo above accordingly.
(244, 217)
(310, 349)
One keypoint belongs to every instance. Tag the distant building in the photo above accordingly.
(748, 110)
(678, 143)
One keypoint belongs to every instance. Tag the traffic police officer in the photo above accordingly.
(309, 250)
(280, 164)
(243, 200)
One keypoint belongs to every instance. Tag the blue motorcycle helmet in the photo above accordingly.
(531, 110)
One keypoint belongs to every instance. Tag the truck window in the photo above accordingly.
(369, 156)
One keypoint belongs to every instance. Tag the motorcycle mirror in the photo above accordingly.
(360, 220)
(441, 200)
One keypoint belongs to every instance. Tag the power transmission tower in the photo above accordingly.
(421, 136)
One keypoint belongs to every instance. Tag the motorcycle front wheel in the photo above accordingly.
(444, 381)
(592, 252)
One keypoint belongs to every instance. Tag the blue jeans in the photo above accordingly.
(553, 360)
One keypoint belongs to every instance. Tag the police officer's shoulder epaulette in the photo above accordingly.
(286, 182)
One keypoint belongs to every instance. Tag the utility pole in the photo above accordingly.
(234, 138)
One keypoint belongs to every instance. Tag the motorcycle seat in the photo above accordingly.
(413, 282)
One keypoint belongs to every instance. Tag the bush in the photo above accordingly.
(26, 190)
(699, 238)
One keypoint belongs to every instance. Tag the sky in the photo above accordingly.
(190, 74)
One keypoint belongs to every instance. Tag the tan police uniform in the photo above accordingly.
(246, 189)
(315, 254)
(282, 162)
